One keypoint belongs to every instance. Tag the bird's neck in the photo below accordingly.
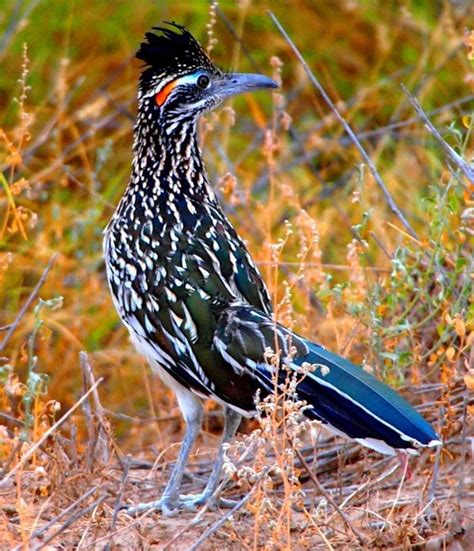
(167, 169)
(168, 158)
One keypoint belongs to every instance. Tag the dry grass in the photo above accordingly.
(340, 265)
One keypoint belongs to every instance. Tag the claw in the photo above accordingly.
(163, 505)
(189, 502)
(192, 502)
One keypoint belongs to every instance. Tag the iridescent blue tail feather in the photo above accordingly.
(353, 402)
(341, 395)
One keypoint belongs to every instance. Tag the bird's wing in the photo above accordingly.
(338, 393)
(173, 304)
(218, 245)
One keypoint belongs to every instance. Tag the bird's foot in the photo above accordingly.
(192, 501)
(170, 508)
(167, 506)
(405, 465)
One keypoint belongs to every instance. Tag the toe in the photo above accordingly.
(227, 503)
(192, 502)
(160, 505)
(170, 508)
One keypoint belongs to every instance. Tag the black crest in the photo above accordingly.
(172, 51)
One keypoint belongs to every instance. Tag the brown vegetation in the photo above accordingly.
(391, 288)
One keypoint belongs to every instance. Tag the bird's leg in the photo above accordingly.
(169, 502)
(404, 458)
(232, 421)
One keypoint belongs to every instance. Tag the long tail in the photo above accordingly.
(357, 405)
(341, 395)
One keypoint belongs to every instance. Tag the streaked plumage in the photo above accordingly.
(190, 294)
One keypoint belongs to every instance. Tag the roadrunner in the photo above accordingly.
(188, 291)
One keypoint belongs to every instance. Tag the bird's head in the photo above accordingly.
(179, 81)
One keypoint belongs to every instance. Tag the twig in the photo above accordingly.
(434, 481)
(465, 168)
(364, 135)
(73, 519)
(17, 18)
(161, 419)
(123, 529)
(37, 533)
(48, 433)
(391, 203)
(407, 235)
(86, 408)
(88, 189)
(382, 248)
(10, 419)
(330, 500)
(236, 37)
(432, 492)
(13, 454)
(97, 445)
(335, 267)
(27, 304)
(321, 533)
(118, 501)
(462, 470)
(369, 483)
(399, 489)
(212, 529)
(210, 501)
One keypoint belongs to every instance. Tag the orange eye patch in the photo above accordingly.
(160, 98)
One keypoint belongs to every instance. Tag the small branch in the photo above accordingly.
(391, 203)
(237, 38)
(123, 529)
(464, 167)
(10, 419)
(17, 18)
(335, 267)
(118, 501)
(70, 521)
(86, 408)
(405, 462)
(197, 519)
(13, 454)
(97, 443)
(27, 304)
(161, 419)
(367, 486)
(330, 500)
(364, 135)
(48, 433)
(212, 529)
(382, 248)
(434, 481)
(53, 521)
(462, 470)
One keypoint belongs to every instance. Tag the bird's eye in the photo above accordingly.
(203, 81)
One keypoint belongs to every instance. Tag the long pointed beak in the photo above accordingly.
(238, 83)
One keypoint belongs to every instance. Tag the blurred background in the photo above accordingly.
(344, 271)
